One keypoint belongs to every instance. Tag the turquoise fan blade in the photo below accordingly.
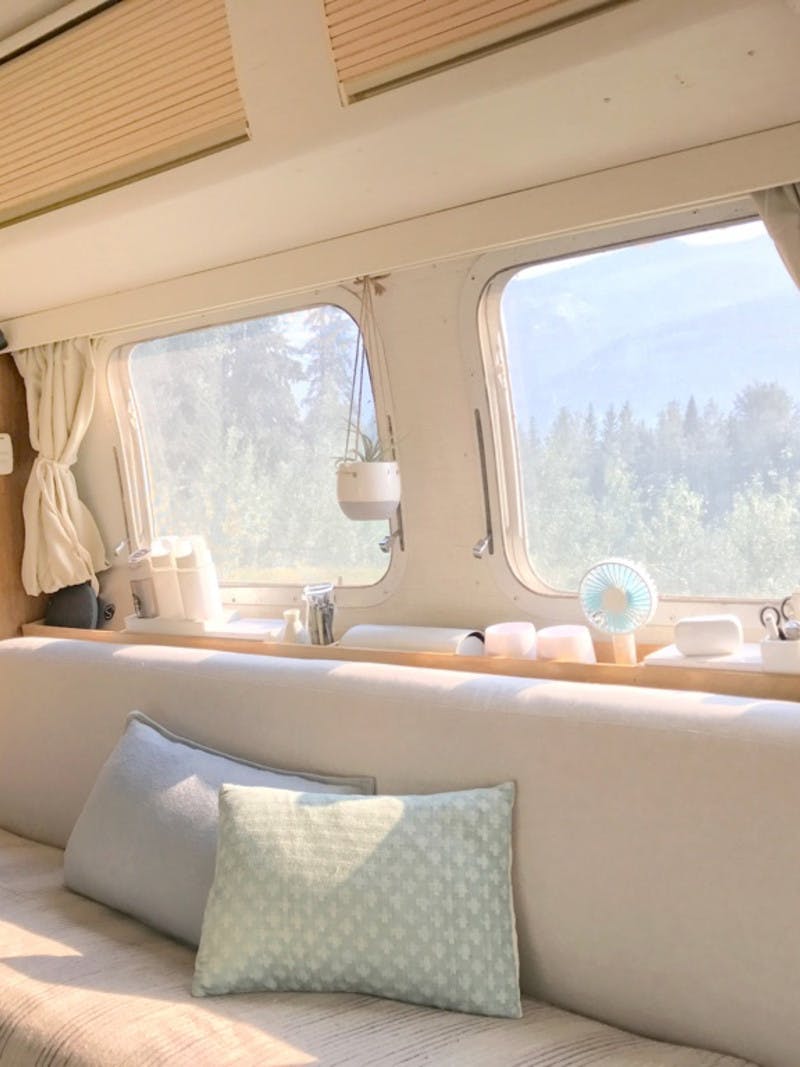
(617, 597)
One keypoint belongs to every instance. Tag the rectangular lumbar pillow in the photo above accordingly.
(146, 839)
(402, 897)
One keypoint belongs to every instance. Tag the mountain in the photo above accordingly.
(651, 323)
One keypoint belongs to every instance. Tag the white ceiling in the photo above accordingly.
(644, 79)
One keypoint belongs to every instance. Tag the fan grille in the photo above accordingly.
(617, 597)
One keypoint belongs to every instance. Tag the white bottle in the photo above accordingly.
(293, 632)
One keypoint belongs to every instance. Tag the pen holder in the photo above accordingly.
(780, 657)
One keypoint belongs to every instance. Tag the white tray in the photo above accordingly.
(748, 658)
(231, 626)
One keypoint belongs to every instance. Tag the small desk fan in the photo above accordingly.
(618, 597)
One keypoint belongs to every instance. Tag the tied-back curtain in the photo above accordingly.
(62, 543)
(780, 210)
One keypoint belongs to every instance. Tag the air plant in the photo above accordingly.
(364, 449)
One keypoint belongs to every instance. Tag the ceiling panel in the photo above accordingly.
(647, 79)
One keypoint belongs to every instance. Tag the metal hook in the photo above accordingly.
(385, 543)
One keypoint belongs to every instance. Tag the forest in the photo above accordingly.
(243, 424)
(707, 500)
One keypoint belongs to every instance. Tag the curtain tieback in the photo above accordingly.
(52, 464)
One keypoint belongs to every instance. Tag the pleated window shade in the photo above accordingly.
(377, 44)
(140, 86)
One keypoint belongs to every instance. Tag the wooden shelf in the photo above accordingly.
(729, 683)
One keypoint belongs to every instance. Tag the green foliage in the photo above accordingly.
(240, 423)
(365, 448)
(709, 502)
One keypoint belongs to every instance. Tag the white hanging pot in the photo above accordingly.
(368, 490)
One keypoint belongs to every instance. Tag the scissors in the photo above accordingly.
(773, 618)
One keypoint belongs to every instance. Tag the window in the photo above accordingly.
(655, 391)
(240, 427)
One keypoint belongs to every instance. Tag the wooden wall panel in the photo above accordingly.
(15, 606)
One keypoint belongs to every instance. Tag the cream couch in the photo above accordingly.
(656, 865)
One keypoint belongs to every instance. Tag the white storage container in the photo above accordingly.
(143, 591)
(780, 657)
(197, 579)
(165, 578)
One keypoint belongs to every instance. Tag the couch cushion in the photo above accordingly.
(82, 985)
(146, 839)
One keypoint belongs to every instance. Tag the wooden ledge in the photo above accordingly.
(698, 679)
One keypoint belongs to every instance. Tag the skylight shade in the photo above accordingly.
(377, 44)
(141, 86)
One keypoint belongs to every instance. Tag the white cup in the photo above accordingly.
(572, 643)
(516, 640)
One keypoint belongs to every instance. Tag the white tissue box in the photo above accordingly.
(708, 635)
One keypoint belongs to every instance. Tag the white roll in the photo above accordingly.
(415, 639)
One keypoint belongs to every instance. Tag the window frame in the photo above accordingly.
(483, 345)
(132, 456)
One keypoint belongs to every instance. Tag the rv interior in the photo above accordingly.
(406, 389)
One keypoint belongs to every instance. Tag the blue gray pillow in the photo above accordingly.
(402, 897)
(146, 839)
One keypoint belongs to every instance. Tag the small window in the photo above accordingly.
(655, 390)
(240, 428)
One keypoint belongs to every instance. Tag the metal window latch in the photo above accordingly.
(480, 548)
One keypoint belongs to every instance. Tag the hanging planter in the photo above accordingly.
(368, 489)
(367, 475)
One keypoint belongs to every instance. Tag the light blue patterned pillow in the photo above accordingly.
(402, 897)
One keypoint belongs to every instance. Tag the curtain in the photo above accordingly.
(780, 210)
(62, 543)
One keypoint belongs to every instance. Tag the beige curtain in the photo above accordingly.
(780, 210)
(62, 543)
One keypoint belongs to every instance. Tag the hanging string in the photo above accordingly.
(368, 355)
(357, 383)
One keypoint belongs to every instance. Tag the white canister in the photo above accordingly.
(197, 579)
(514, 639)
(567, 642)
(165, 578)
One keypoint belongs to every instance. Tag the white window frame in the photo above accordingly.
(483, 347)
(132, 455)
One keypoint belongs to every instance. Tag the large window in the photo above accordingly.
(656, 390)
(240, 427)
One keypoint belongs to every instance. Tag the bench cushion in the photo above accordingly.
(83, 985)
